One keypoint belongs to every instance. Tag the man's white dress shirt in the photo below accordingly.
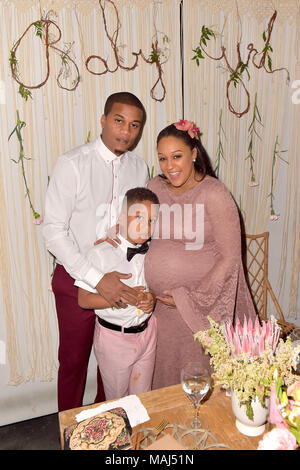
(107, 258)
(84, 199)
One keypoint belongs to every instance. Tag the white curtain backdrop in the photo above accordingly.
(56, 121)
(205, 98)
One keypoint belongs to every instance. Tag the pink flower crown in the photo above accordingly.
(187, 126)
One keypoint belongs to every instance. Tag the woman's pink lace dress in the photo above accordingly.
(207, 281)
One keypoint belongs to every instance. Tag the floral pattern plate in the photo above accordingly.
(109, 430)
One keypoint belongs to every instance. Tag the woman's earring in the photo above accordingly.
(194, 160)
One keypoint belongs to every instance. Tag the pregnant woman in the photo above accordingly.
(194, 263)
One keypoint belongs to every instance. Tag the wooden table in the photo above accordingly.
(172, 404)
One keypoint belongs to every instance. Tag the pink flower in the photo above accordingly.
(253, 183)
(294, 391)
(251, 338)
(274, 216)
(278, 439)
(275, 415)
(187, 126)
(37, 221)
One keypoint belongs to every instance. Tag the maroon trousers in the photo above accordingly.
(76, 331)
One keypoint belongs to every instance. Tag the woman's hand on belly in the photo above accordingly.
(167, 299)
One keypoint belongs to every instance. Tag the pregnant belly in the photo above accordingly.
(169, 265)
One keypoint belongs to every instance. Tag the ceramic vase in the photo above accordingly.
(247, 426)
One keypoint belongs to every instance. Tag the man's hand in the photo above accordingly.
(111, 237)
(115, 291)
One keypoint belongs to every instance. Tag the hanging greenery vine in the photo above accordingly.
(158, 56)
(18, 131)
(237, 72)
(220, 148)
(41, 28)
(252, 132)
(276, 155)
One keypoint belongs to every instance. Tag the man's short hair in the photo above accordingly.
(124, 97)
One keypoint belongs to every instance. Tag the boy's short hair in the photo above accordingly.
(126, 98)
(139, 195)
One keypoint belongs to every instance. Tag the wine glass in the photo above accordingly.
(196, 382)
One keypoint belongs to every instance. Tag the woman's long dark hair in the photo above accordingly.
(202, 163)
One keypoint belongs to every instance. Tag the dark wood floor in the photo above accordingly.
(34, 434)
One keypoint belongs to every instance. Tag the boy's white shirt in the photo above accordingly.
(107, 258)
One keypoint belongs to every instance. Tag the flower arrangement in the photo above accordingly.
(285, 414)
(244, 357)
(278, 439)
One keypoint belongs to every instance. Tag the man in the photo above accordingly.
(82, 203)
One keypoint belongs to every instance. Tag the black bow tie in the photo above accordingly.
(141, 249)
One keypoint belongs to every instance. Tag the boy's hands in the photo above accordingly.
(146, 301)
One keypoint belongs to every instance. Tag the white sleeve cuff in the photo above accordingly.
(92, 277)
(85, 286)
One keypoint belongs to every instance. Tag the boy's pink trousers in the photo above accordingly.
(127, 359)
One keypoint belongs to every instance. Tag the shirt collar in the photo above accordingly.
(125, 243)
(105, 153)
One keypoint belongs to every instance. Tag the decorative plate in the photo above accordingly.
(109, 430)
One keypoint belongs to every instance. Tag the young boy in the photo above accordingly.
(125, 339)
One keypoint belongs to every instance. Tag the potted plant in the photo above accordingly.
(244, 359)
